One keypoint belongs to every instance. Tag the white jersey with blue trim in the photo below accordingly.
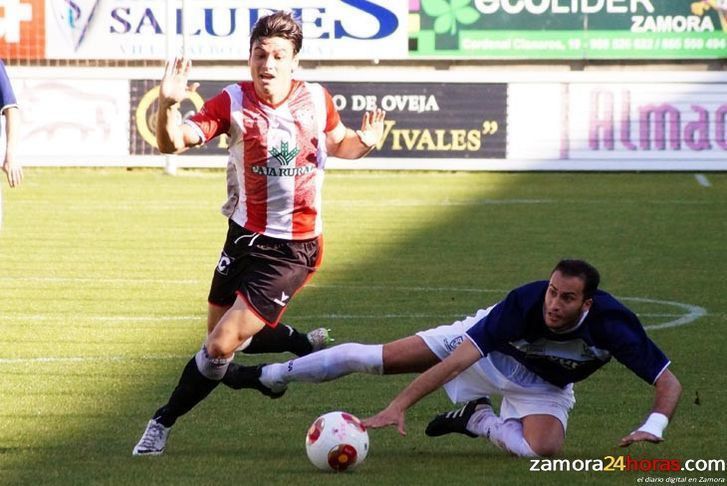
(516, 327)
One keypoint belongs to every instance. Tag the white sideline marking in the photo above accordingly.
(694, 312)
(702, 180)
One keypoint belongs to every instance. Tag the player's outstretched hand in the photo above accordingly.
(174, 86)
(372, 127)
(639, 436)
(388, 416)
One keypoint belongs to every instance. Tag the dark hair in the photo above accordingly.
(280, 24)
(579, 268)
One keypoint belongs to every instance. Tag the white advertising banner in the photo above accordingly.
(659, 122)
(220, 29)
(617, 126)
(63, 118)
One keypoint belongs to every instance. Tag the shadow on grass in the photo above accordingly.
(404, 251)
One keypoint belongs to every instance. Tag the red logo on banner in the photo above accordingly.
(22, 29)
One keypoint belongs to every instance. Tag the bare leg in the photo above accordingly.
(269, 340)
(408, 355)
(544, 433)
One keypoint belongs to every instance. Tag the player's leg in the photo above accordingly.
(201, 375)
(278, 339)
(544, 433)
(412, 354)
(533, 414)
(544, 436)
(407, 355)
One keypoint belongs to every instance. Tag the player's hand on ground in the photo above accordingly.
(372, 127)
(639, 436)
(388, 416)
(174, 88)
(13, 171)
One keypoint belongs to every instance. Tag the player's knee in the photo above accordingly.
(545, 448)
(215, 349)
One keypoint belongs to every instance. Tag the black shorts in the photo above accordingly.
(264, 271)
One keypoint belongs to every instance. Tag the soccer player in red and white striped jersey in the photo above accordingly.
(280, 133)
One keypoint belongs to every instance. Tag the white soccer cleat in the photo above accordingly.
(154, 440)
(320, 338)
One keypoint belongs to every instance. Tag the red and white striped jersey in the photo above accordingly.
(279, 153)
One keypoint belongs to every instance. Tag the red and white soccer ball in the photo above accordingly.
(337, 441)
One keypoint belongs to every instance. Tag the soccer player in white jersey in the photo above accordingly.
(529, 348)
(280, 133)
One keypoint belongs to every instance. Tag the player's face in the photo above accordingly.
(272, 62)
(564, 302)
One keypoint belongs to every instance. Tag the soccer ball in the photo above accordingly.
(337, 441)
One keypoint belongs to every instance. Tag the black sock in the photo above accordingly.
(278, 339)
(193, 387)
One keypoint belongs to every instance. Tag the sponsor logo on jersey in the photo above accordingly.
(285, 156)
(454, 343)
(568, 354)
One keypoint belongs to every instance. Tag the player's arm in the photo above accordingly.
(9, 109)
(345, 143)
(173, 136)
(667, 391)
(461, 359)
(10, 166)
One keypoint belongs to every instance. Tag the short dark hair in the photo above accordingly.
(279, 24)
(584, 270)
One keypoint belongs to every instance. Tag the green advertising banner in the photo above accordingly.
(569, 29)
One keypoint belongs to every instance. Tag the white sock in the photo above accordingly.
(212, 368)
(505, 434)
(325, 365)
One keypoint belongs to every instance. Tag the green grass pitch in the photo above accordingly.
(104, 277)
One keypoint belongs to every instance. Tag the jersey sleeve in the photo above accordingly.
(333, 118)
(214, 117)
(503, 323)
(632, 347)
(7, 95)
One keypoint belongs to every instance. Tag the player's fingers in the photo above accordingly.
(401, 428)
(170, 67)
(379, 115)
(371, 422)
(187, 66)
(193, 87)
(366, 120)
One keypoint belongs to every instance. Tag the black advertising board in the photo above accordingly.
(431, 120)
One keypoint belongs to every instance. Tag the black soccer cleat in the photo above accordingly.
(455, 420)
(239, 376)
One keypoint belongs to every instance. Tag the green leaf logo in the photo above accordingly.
(284, 155)
(448, 14)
